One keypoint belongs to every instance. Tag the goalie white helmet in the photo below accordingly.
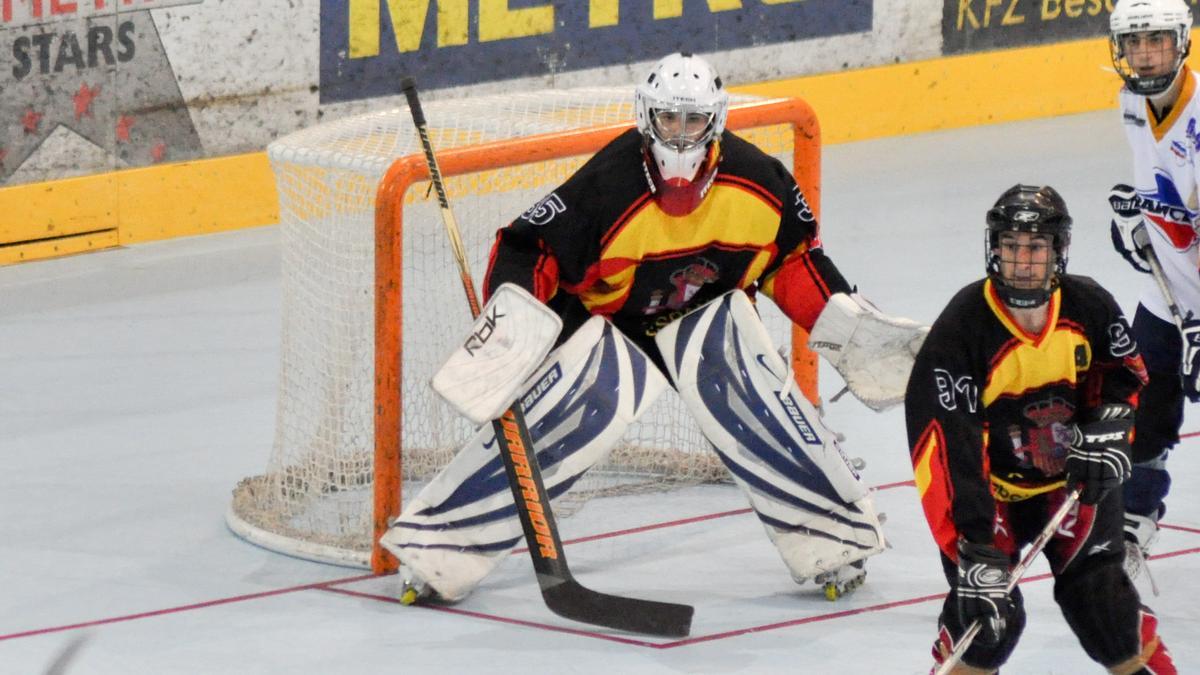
(1149, 40)
(681, 107)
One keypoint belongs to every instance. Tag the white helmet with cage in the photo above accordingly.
(681, 107)
(1170, 18)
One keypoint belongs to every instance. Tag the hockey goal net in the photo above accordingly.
(372, 304)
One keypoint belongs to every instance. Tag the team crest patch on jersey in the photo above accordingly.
(685, 284)
(1164, 207)
(1044, 446)
(1193, 135)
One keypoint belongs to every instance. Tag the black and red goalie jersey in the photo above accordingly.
(600, 243)
(990, 408)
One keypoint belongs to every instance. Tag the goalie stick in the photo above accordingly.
(562, 594)
(1014, 578)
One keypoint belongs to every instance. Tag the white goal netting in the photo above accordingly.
(314, 498)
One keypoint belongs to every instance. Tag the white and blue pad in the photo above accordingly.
(815, 508)
(577, 406)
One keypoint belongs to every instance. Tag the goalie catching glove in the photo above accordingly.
(872, 351)
(1099, 454)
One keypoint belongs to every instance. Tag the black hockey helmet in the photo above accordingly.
(1034, 209)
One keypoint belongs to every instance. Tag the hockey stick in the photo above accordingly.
(1014, 578)
(62, 660)
(562, 594)
(1141, 239)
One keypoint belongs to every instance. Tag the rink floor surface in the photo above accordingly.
(140, 387)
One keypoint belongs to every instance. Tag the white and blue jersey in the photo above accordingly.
(1166, 178)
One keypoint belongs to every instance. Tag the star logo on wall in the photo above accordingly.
(124, 125)
(99, 72)
(31, 120)
(83, 100)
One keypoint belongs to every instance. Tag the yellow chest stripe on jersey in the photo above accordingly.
(730, 217)
(1160, 129)
(1060, 354)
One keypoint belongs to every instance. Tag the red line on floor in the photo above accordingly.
(183, 608)
(502, 619)
(331, 586)
(686, 521)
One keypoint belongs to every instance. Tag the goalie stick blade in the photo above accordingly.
(570, 600)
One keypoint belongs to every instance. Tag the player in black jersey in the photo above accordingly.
(1024, 388)
(668, 216)
(652, 254)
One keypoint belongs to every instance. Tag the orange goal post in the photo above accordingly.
(372, 304)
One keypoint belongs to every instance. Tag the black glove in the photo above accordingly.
(983, 590)
(1189, 371)
(1099, 454)
(1126, 222)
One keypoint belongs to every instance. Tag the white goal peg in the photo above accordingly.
(509, 340)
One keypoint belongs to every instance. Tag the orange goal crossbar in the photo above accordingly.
(389, 222)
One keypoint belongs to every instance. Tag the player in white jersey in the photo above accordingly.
(1159, 108)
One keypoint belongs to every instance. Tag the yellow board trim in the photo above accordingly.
(227, 193)
(58, 246)
(956, 91)
(38, 220)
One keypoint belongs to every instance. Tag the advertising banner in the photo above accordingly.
(368, 45)
(978, 25)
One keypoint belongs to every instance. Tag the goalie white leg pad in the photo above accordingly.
(872, 351)
(815, 508)
(577, 406)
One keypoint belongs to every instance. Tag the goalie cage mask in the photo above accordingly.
(1033, 209)
(681, 108)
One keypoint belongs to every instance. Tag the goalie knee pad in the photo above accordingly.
(815, 508)
(577, 406)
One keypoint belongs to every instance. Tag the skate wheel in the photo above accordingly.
(409, 596)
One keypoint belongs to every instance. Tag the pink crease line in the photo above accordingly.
(828, 616)
(328, 585)
(332, 584)
(686, 521)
